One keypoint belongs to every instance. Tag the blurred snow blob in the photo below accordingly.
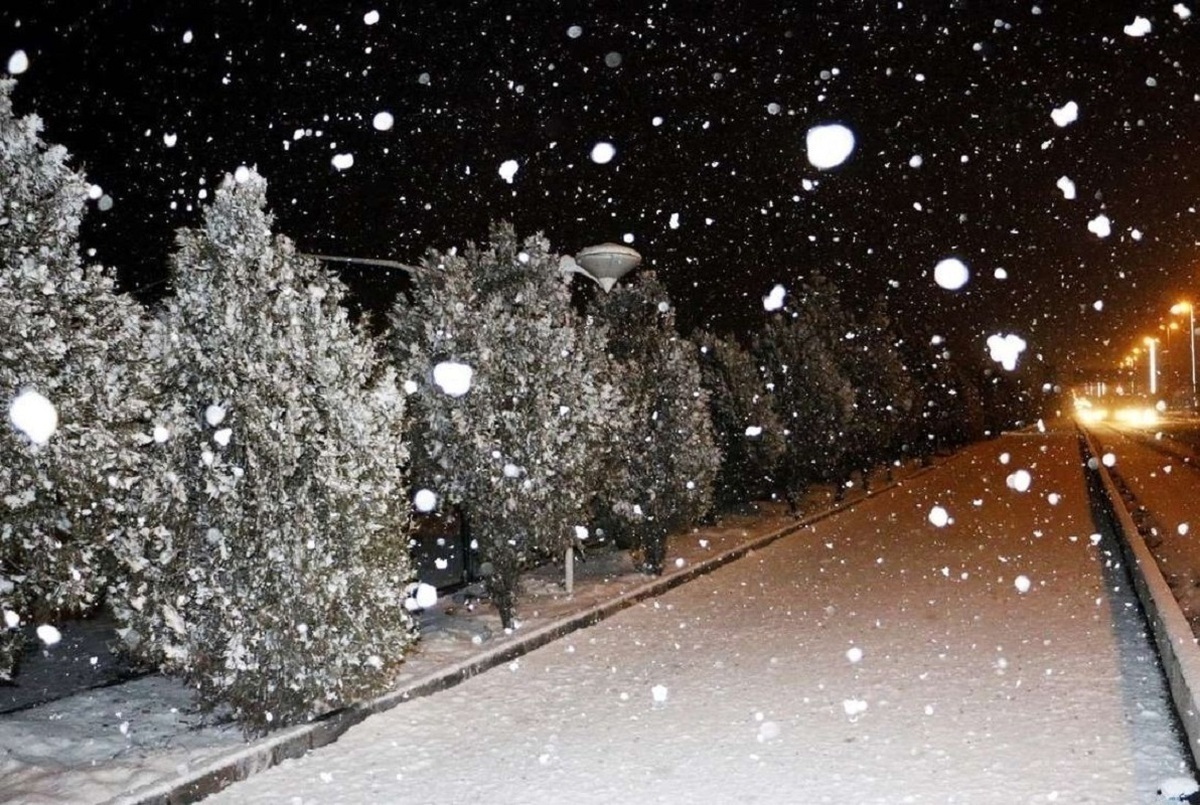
(425, 500)
(1066, 114)
(1022, 584)
(659, 694)
(242, 174)
(48, 634)
(1181, 11)
(767, 731)
(34, 415)
(1006, 349)
(753, 430)
(854, 707)
(1182, 529)
(508, 170)
(1067, 187)
(951, 274)
(1139, 27)
(939, 516)
(18, 63)
(1019, 481)
(371, 17)
(343, 161)
(854, 654)
(774, 300)
(829, 146)
(1100, 226)
(575, 32)
(602, 153)
(1109, 460)
(383, 121)
(214, 415)
(453, 378)
(420, 596)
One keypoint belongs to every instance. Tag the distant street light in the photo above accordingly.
(603, 264)
(1152, 343)
(1191, 311)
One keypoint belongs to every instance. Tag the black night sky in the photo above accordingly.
(707, 105)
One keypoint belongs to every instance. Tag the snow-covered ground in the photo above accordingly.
(874, 657)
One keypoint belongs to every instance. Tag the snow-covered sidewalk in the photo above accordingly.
(963, 637)
(143, 741)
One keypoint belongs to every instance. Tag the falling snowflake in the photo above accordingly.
(383, 121)
(1067, 187)
(425, 500)
(1066, 114)
(1022, 583)
(1139, 27)
(774, 300)
(951, 274)
(939, 516)
(453, 378)
(343, 161)
(1019, 481)
(1006, 349)
(602, 153)
(34, 415)
(508, 170)
(1100, 226)
(18, 63)
(829, 146)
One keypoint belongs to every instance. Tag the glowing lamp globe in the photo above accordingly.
(607, 263)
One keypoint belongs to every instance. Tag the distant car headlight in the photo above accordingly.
(1137, 415)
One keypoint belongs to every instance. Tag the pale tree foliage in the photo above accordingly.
(67, 335)
(517, 454)
(272, 561)
(662, 482)
(747, 428)
(799, 350)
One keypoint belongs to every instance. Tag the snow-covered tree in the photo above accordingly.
(513, 403)
(662, 481)
(799, 350)
(948, 408)
(71, 344)
(271, 566)
(748, 430)
(884, 396)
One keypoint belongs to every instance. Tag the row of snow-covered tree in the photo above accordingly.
(231, 471)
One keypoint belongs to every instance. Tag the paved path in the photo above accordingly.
(874, 657)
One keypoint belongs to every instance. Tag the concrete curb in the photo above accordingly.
(1177, 647)
(296, 741)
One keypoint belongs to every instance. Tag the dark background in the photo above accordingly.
(968, 86)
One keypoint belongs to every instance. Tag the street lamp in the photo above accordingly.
(604, 264)
(1152, 343)
(1191, 311)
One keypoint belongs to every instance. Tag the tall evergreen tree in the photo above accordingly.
(271, 568)
(883, 393)
(747, 429)
(799, 349)
(514, 404)
(663, 480)
(66, 335)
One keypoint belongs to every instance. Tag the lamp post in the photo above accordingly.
(604, 264)
(1191, 311)
(1152, 343)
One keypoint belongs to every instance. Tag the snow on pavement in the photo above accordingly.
(874, 657)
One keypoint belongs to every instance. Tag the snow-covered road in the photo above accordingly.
(875, 657)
